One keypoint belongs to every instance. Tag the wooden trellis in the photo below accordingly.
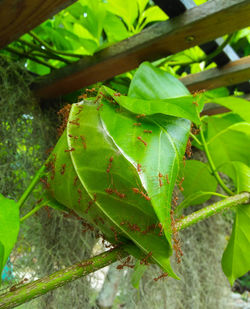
(198, 25)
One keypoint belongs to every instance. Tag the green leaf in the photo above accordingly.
(1, 260)
(127, 10)
(88, 163)
(154, 13)
(237, 105)
(150, 82)
(37, 68)
(142, 5)
(163, 153)
(197, 177)
(9, 228)
(160, 151)
(139, 270)
(115, 28)
(230, 144)
(235, 260)
(198, 183)
(239, 173)
(178, 107)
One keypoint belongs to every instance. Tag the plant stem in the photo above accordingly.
(25, 55)
(212, 166)
(34, 210)
(48, 47)
(32, 184)
(45, 53)
(213, 209)
(41, 286)
(195, 138)
(59, 278)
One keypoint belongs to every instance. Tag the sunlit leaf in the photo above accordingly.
(178, 107)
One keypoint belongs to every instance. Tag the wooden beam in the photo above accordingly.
(20, 16)
(231, 74)
(196, 26)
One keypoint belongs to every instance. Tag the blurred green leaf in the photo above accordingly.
(139, 270)
(154, 13)
(230, 144)
(235, 260)
(237, 105)
(9, 228)
(127, 10)
(239, 173)
(198, 181)
(115, 28)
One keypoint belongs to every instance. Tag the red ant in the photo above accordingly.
(138, 167)
(44, 181)
(82, 96)
(138, 124)
(167, 179)
(75, 180)
(109, 190)
(147, 131)
(161, 228)
(176, 240)
(83, 142)
(75, 122)
(160, 180)
(110, 164)
(69, 150)
(121, 195)
(125, 264)
(164, 275)
(115, 233)
(80, 195)
(100, 106)
(91, 90)
(145, 260)
(85, 264)
(117, 94)
(80, 109)
(189, 149)
(63, 169)
(141, 140)
(90, 203)
(137, 191)
(74, 137)
(180, 184)
(141, 115)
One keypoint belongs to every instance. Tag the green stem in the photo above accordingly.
(33, 183)
(34, 210)
(48, 47)
(44, 53)
(212, 166)
(213, 209)
(25, 55)
(41, 286)
(195, 138)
